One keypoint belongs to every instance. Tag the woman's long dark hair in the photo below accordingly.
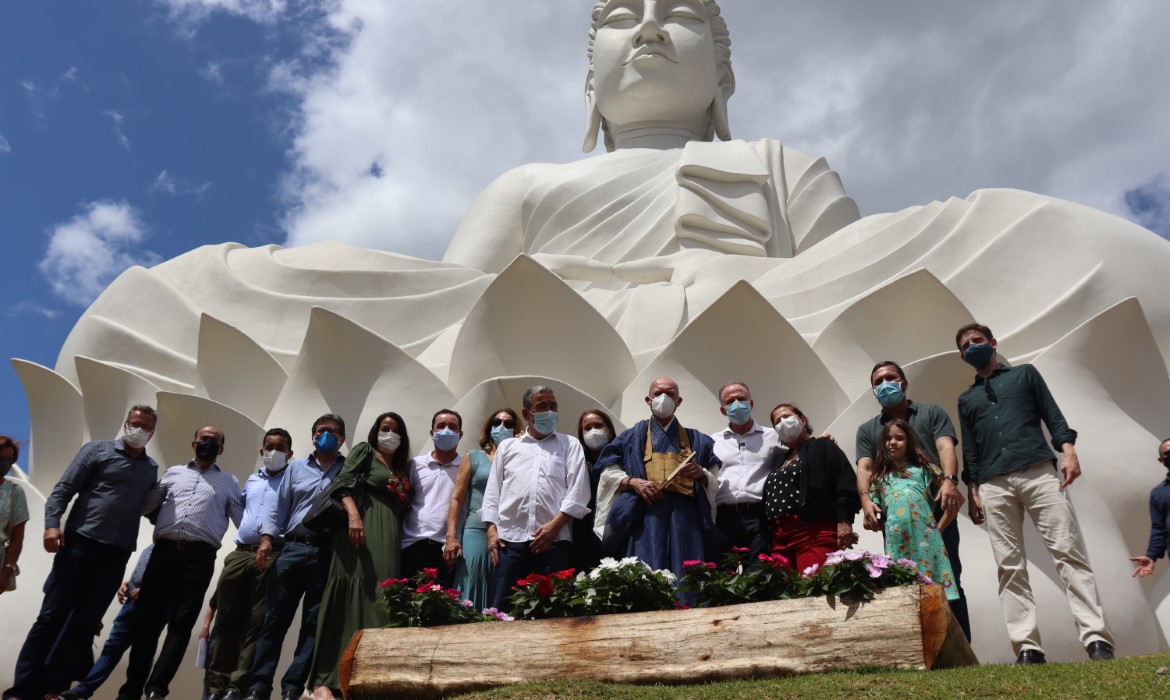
(884, 465)
(485, 434)
(400, 461)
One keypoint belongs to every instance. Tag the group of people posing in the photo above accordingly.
(532, 499)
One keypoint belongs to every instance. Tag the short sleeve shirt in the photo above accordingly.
(13, 508)
(929, 421)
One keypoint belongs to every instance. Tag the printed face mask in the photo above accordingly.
(445, 440)
(275, 461)
(388, 441)
(889, 394)
(596, 439)
(662, 406)
(739, 412)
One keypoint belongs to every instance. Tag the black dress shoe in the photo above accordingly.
(256, 695)
(290, 695)
(155, 695)
(1100, 651)
(215, 696)
(231, 695)
(1028, 657)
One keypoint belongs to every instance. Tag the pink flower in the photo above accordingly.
(874, 572)
(466, 603)
(834, 558)
(431, 573)
(691, 562)
(909, 563)
(881, 561)
(740, 550)
(393, 582)
(855, 554)
(811, 570)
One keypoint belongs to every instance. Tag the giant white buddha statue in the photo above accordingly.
(671, 253)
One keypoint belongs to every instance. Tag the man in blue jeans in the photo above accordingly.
(111, 480)
(302, 567)
(120, 634)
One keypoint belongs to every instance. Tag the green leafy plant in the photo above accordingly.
(422, 601)
(626, 585)
(738, 580)
(543, 596)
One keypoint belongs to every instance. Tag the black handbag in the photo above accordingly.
(326, 514)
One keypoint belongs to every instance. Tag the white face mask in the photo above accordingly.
(389, 441)
(596, 439)
(136, 438)
(275, 461)
(662, 406)
(789, 428)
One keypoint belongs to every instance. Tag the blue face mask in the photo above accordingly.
(500, 433)
(326, 442)
(545, 422)
(739, 412)
(445, 440)
(889, 393)
(978, 355)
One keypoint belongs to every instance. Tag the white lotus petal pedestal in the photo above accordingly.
(908, 627)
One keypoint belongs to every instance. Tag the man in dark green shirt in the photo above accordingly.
(936, 434)
(1012, 472)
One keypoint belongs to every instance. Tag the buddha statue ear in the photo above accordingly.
(592, 119)
(719, 115)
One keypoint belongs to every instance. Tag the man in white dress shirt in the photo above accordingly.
(748, 450)
(196, 500)
(432, 480)
(538, 484)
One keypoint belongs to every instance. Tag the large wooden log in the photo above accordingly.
(907, 627)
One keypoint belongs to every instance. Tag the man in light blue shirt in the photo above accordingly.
(240, 591)
(302, 567)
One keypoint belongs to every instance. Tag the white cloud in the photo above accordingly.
(28, 307)
(213, 72)
(166, 183)
(189, 14)
(87, 252)
(400, 124)
(40, 97)
(117, 118)
(5, 147)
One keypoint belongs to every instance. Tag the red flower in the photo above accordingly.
(691, 562)
(740, 550)
(567, 573)
(545, 587)
(393, 582)
(430, 573)
(681, 606)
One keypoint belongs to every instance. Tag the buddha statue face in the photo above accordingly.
(658, 61)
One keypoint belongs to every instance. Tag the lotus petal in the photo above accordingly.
(235, 371)
(529, 322)
(738, 337)
(887, 324)
(180, 416)
(57, 420)
(347, 369)
(107, 393)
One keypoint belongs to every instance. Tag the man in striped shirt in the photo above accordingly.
(196, 501)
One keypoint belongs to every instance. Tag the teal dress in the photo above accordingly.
(351, 598)
(474, 572)
(911, 532)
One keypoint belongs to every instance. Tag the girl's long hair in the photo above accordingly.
(884, 465)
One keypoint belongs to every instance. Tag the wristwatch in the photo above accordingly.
(951, 478)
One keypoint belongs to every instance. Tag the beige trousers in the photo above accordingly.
(1035, 490)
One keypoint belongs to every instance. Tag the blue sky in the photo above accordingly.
(133, 131)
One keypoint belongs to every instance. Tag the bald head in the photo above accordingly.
(664, 385)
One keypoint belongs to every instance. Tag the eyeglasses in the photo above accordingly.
(321, 429)
(508, 423)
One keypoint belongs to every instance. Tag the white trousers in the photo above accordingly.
(1035, 490)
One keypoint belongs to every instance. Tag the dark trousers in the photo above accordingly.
(518, 561)
(950, 537)
(238, 617)
(173, 588)
(121, 636)
(84, 578)
(744, 525)
(299, 571)
(427, 554)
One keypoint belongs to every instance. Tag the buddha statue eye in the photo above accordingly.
(620, 17)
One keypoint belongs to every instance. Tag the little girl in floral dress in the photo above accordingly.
(901, 488)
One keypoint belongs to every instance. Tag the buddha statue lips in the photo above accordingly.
(679, 251)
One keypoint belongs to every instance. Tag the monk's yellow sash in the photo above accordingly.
(660, 465)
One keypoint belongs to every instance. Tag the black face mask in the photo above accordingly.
(5, 467)
(207, 450)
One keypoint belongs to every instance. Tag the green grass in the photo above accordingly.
(1134, 677)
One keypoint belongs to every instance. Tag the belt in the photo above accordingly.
(743, 507)
(194, 545)
(314, 541)
(253, 548)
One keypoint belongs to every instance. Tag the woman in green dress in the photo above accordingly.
(369, 552)
(466, 545)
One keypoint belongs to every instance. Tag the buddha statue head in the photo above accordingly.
(659, 73)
